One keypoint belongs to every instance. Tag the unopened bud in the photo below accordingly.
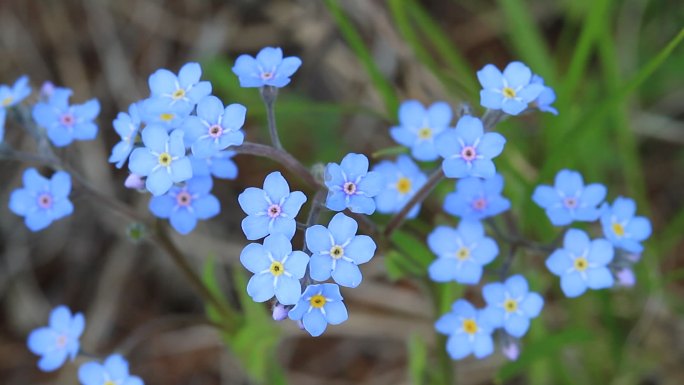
(625, 277)
(280, 312)
(511, 350)
(47, 89)
(134, 181)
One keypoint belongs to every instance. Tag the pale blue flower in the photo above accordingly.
(114, 371)
(418, 127)
(469, 330)
(319, 306)
(57, 341)
(402, 179)
(269, 68)
(510, 91)
(513, 304)
(351, 185)
(622, 227)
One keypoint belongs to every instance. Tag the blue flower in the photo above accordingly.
(127, 126)
(582, 263)
(220, 165)
(215, 127)
(65, 123)
(469, 330)
(510, 91)
(513, 304)
(182, 91)
(11, 96)
(42, 200)
(58, 340)
(468, 150)
(461, 252)
(3, 115)
(277, 270)
(476, 198)
(622, 228)
(545, 98)
(269, 68)
(569, 200)
(271, 210)
(402, 179)
(350, 185)
(319, 306)
(157, 111)
(418, 127)
(183, 206)
(114, 371)
(338, 251)
(162, 160)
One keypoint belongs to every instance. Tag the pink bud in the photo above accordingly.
(47, 89)
(280, 312)
(633, 257)
(300, 325)
(511, 350)
(134, 181)
(625, 277)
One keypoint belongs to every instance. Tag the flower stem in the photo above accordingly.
(269, 95)
(418, 197)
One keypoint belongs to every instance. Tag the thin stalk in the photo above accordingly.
(269, 95)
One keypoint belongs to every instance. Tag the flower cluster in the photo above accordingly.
(60, 340)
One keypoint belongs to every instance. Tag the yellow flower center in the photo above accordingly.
(165, 159)
(581, 264)
(508, 92)
(109, 382)
(463, 253)
(166, 116)
(511, 305)
(425, 133)
(178, 94)
(470, 326)
(404, 185)
(7, 101)
(276, 268)
(337, 252)
(618, 229)
(317, 301)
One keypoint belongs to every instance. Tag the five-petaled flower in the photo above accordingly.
(57, 341)
(162, 160)
(337, 251)
(183, 91)
(418, 127)
(622, 227)
(215, 127)
(477, 198)
(351, 185)
(65, 123)
(402, 179)
(468, 151)
(461, 252)
(513, 304)
(570, 200)
(183, 206)
(510, 91)
(469, 330)
(127, 125)
(319, 306)
(271, 210)
(42, 200)
(582, 263)
(114, 371)
(219, 165)
(11, 96)
(277, 269)
(269, 68)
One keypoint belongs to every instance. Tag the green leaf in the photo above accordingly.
(389, 151)
(398, 266)
(416, 249)
(417, 355)
(210, 281)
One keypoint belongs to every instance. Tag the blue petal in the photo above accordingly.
(162, 82)
(86, 111)
(314, 323)
(181, 170)
(545, 196)
(320, 267)
(158, 182)
(517, 325)
(162, 206)
(60, 319)
(490, 77)
(33, 181)
(342, 228)
(494, 293)
(490, 99)
(639, 228)
(254, 258)
(624, 208)
(600, 252)
(576, 241)
(469, 273)
(439, 115)
(593, 194)
(269, 58)
(412, 114)
(469, 129)
(234, 117)
(471, 231)
(279, 245)
(371, 184)
(284, 226)
(253, 201)
(155, 138)
(517, 74)
(361, 249)
(361, 204)
(288, 67)
(288, 290)
(559, 216)
(403, 136)
(463, 308)
(513, 107)
(52, 360)
(424, 150)
(298, 311)
(458, 345)
(336, 312)
(206, 207)
(531, 92)
(336, 200)
(599, 278)
(42, 340)
(491, 145)
(354, 166)
(60, 185)
(296, 263)
(443, 269)
(573, 285)
(293, 203)
(85, 131)
(334, 176)
(456, 168)
(245, 66)
(255, 227)
(77, 325)
(569, 182)
(260, 287)
(91, 373)
(559, 262)
(116, 366)
(447, 143)
(37, 220)
(440, 240)
(347, 274)
(483, 345)
(209, 109)
(318, 239)
(482, 168)
(189, 74)
(532, 305)
(183, 221)
(276, 187)
(193, 128)
(517, 286)
(22, 202)
(447, 323)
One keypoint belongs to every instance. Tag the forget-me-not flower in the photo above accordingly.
(351, 185)
(215, 127)
(622, 228)
(546, 97)
(180, 91)
(11, 96)
(157, 111)
(127, 125)
(513, 303)
(418, 127)
(271, 210)
(57, 341)
(277, 270)
(510, 91)
(319, 306)
(402, 179)
(468, 151)
(582, 263)
(219, 165)
(183, 206)
(42, 200)
(570, 200)
(114, 371)
(3, 115)
(269, 68)
(337, 251)
(162, 160)
(461, 252)
(477, 198)
(65, 123)
(469, 330)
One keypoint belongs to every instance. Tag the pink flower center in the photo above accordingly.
(183, 199)
(479, 204)
(45, 201)
(468, 153)
(215, 131)
(67, 119)
(273, 210)
(266, 75)
(61, 341)
(349, 188)
(570, 202)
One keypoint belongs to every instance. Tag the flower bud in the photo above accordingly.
(625, 278)
(511, 350)
(280, 312)
(134, 181)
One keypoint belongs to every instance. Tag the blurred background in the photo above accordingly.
(621, 122)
